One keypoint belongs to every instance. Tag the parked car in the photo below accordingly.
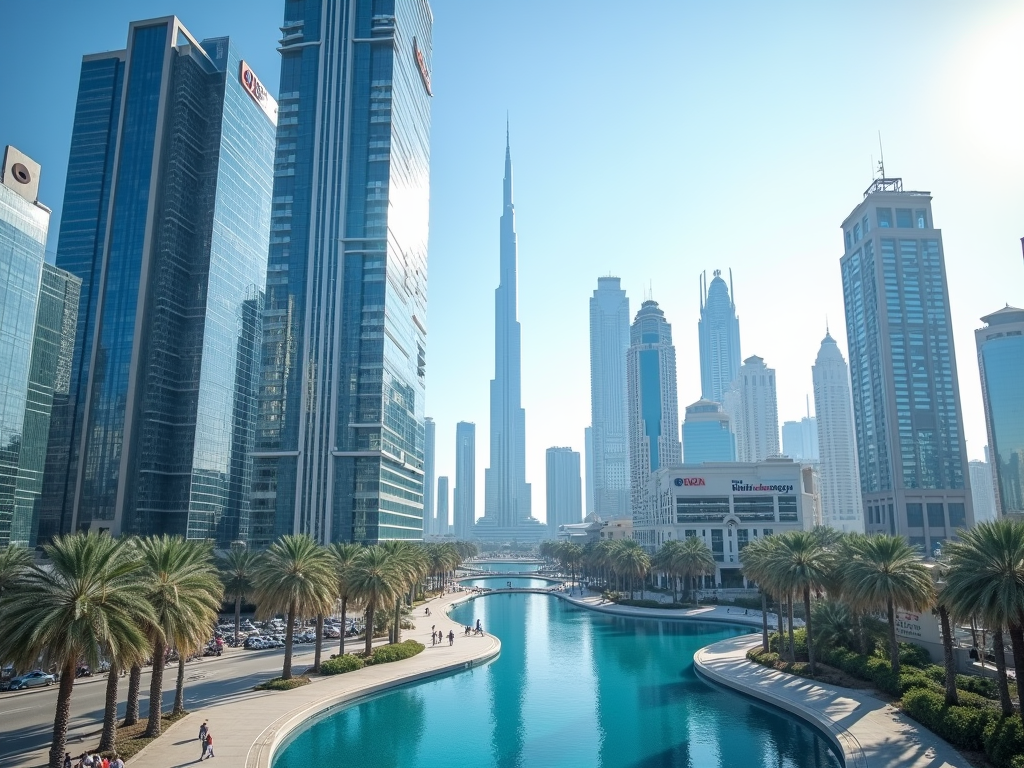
(32, 679)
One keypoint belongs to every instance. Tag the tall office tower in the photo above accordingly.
(752, 403)
(719, 333)
(707, 434)
(609, 340)
(840, 479)
(38, 307)
(1001, 362)
(441, 523)
(800, 439)
(166, 217)
(429, 440)
(983, 492)
(506, 493)
(588, 481)
(906, 400)
(565, 505)
(339, 451)
(653, 405)
(465, 479)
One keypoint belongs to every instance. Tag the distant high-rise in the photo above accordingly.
(588, 481)
(465, 479)
(983, 492)
(707, 434)
(441, 521)
(429, 440)
(609, 420)
(564, 505)
(653, 404)
(1001, 361)
(166, 218)
(39, 308)
(719, 333)
(840, 480)
(800, 439)
(339, 451)
(753, 405)
(906, 400)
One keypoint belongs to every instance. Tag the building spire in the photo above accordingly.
(508, 167)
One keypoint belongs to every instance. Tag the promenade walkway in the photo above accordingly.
(870, 732)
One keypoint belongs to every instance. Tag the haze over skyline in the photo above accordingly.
(737, 136)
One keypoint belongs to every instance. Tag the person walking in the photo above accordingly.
(204, 730)
(67, 760)
(451, 637)
(117, 762)
(209, 746)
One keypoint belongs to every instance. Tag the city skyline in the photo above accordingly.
(800, 262)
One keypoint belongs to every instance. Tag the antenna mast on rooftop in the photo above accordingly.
(881, 155)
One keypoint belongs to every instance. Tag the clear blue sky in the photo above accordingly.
(650, 141)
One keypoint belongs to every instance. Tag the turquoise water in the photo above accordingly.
(499, 582)
(571, 689)
(507, 567)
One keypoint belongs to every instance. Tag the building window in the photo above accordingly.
(742, 538)
(849, 240)
(709, 509)
(957, 515)
(922, 219)
(885, 217)
(690, 533)
(917, 541)
(754, 507)
(787, 509)
(866, 224)
(915, 516)
(904, 218)
(717, 546)
(936, 519)
(856, 232)
(768, 531)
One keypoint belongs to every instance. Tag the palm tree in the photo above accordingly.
(14, 563)
(344, 557)
(403, 560)
(375, 580)
(186, 593)
(665, 560)
(986, 576)
(88, 599)
(571, 554)
(885, 572)
(694, 559)
(238, 567)
(632, 562)
(296, 576)
(756, 558)
(799, 564)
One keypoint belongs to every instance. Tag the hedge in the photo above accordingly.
(277, 684)
(1004, 741)
(395, 652)
(962, 726)
(650, 604)
(341, 664)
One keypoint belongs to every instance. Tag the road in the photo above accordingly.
(26, 717)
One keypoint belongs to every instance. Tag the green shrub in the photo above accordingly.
(936, 674)
(760, 656)
(963, 727)
(914, 656)
(277, 684)
(649, 604)
(395, 652)
(983, 686)
(914, 678)
(1004, 740)
(341, 664)
(1017, 762)
(925, 706)
(799, 639)
(879, 672)
(968, 699)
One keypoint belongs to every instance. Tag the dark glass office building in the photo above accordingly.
(38, 305)
(340, 432)
(166, 219)
(906, 398)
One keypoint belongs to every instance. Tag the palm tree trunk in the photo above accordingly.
(109, 734)
(179, 686)
(63, 714)
(999, 650)
(764, 621)
(397, 628)
(368, 632)
(289, 635)
(319, 642)
(789, 616)
(238, 614)
(156, 689)
(807, 627)
(344, 626)
(858, 630)
(947, 657)
(894, 646)
(1017, 639)
(131, 715)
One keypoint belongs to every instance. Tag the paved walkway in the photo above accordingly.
(869, 732)
(715, 613)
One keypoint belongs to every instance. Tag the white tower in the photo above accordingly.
(754, 408)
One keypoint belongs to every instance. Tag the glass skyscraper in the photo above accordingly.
(38, 307)
(465, 480)
(1001, 361)
(429, 446)
(719, 334)
(564, 501)
(339, 446)
(707, 434)
(166, 215)
(906, 399)
(754, 407)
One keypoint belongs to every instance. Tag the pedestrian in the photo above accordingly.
(208, 752)
(105, 762)
(433, 638)
(451, 637)
(117, 762)
(67, 760)
(478, 625)
(204, 730)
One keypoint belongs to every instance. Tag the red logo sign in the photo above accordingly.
(693, 481)
(257, 91)
(422, 64)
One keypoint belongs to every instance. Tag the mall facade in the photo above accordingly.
(728, 505)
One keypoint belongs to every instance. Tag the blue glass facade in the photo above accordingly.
(706, 434)
(1001, 361)
(339, 444)
(160, 412)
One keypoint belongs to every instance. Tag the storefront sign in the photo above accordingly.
(918, 627)
(421, 63)
(739, 486)
(258, 92)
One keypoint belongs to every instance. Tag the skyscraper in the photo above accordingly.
(800, 439)
(564, 503)
(465, 479)
(983, 492)
(1001, 362)
(38, 307)
(429, 440)
(507, 495)
(441, 522)
(719, 333)
(166, 217)
(653, 404)
(588, 481)
(707, 434)
(339, 450)
(609, 340)
(840, 480)
(752, 403)
(906, 400)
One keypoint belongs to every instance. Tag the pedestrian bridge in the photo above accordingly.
(513, 575)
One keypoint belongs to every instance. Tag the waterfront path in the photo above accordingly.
(715, 613)
(870, 732)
